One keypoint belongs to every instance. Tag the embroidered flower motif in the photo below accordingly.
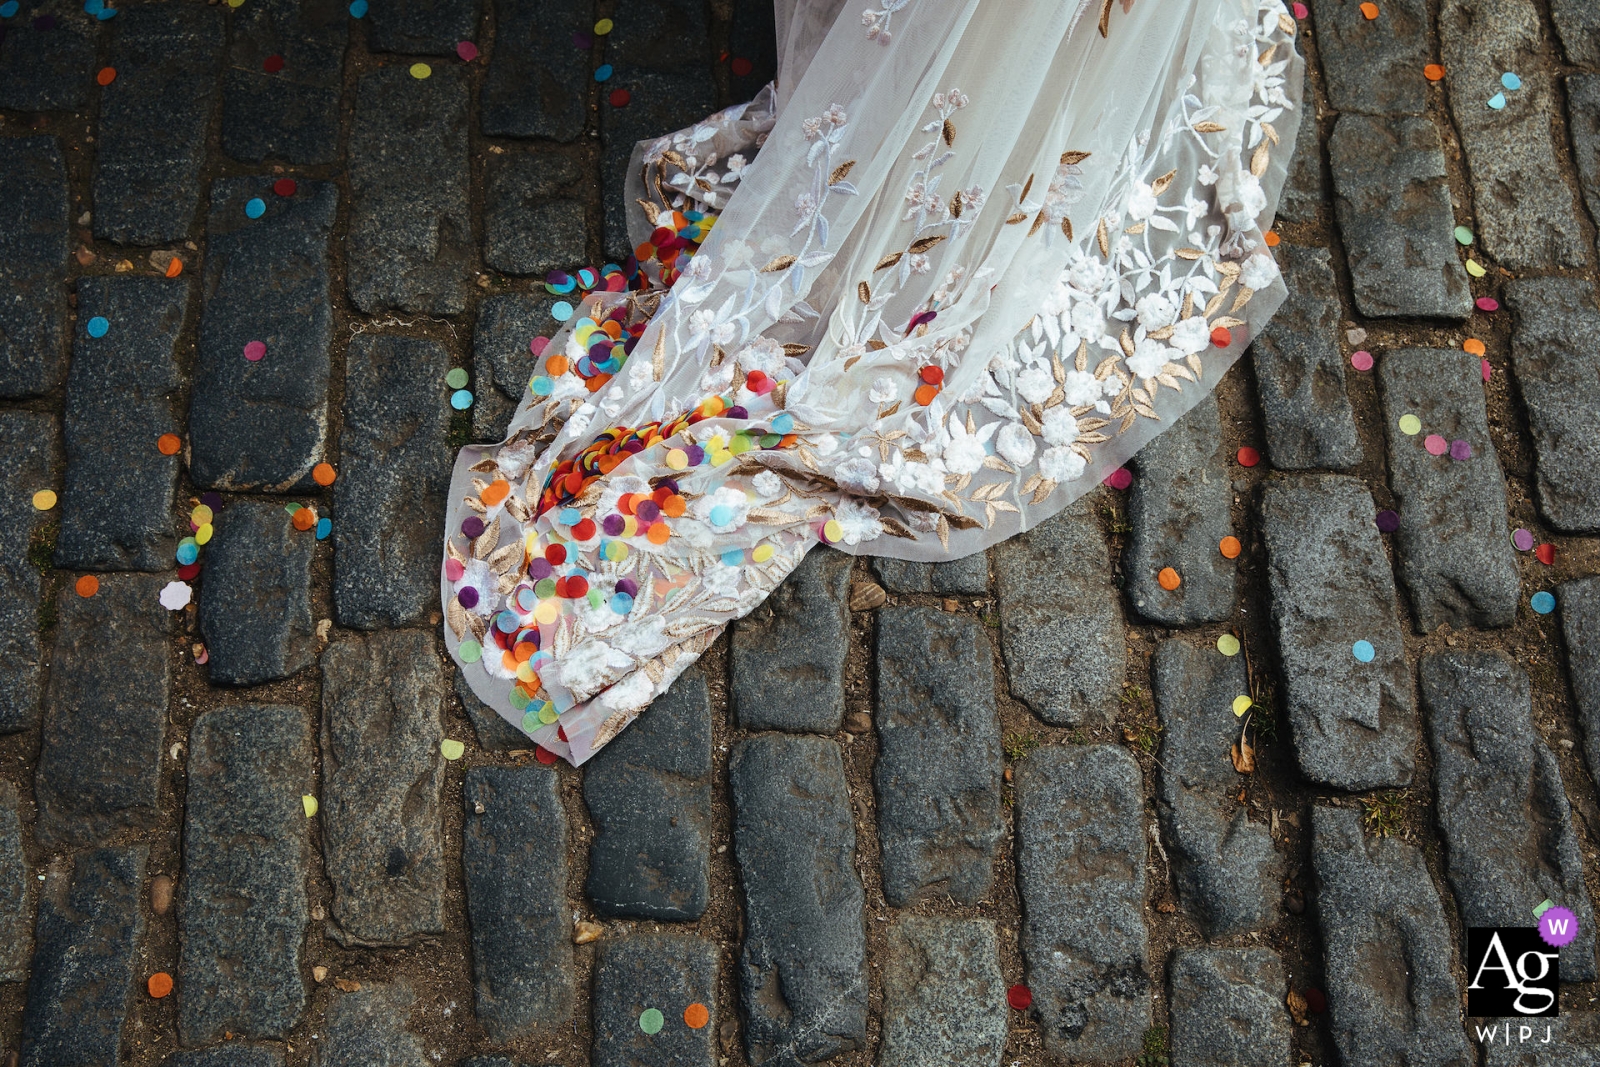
(1061, 464)
(1036, 384)
(964, 453)
(1015, 444)
(1259, 271)
(767, 484)
(1191, 335)
(1155, 311)
(857, 521)
(884, 389)
(1148, 358)
(1141, 201)
(1083, 388)
(1059, 427)
(857, 475)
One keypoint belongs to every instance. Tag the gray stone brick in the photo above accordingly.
(1300, 371)
(802, 970)
(1374, 66)
(649, 794)
(502, 363)
(1580, 625)
(939, 762)
(243, 912)
(1180, 510)
(255, 602)
(116, 501)
(788, 654)
(16, 892)
(154, 120)
(233, 1054)
(291, 114)
(1578, 25)
(494, 733)
(93, 781)
(1391, 984)
(33, 266)
(30, 460)
(514, 857)
(1223, 864)
(88, 939)
(1455, 549)
(537, 84)
(1495, 780)
(1527, 218)
(394, 475)
(1227, 1008)
(1558, 374)
(1394, 211)
(944, 1002)
(967, 576)
(667, 972)
(47, 69)
(528, 227)
(1081, 874)
(1061, 620)
(422, 27)
(1583, 124)
(369, 1027)
(263, 424)
(410, 246)
(1302, 196)
(662, 103)
(1354, 723)
(381, 774)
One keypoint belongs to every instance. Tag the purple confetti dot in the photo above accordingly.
(613, 525)
(1523, 540)
(670, 484)
(472, 526)
(1460, 450)
(539, 568)
(211, 500)
(697, 455)
(1388, 521)
(647, 510)
(737, 412)
(628, 586)
(468, 597)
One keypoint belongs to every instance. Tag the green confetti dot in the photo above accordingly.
(470, 651)
(457, 378)
(452, 749)
(650, 1021)
(1463, 235)
(1228, 645)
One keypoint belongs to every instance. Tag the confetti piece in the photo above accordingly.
(1546, 554)
(452, 749)
(1511, 81)
(323, 474)
(561, 311)
(324, 528)
(420, 71)
(309, 802)
(1475, 268)
(86, 586)
(1463, 235)
(1272, 238)
(1388, 520)
(255, 207)
(1221, 337)
(44, 499)
(470, 651)
(1363, 651)
(461, 399)
(1522, 539)
(603, 27)
(1473, 345)
(160, 984)
(651, 1021)
(467, 51)
(1230, 547)
(831, 531)
(1355, 336)
(176, 595)
(1248, 457)
(99, 326)
(1488, 303)
(272, 64)
(8, 9)
(1301, 11)
(303, 519)
(255, 351)
(1544, 905)
(358, 8)
(174, 267)
(1460, 450)
(1498, 101)
(1542, 602)
(1020, 997)
(620, 98)
(1410, 425)
(1241, 704)
(457, 378)
(696, 1015)
(1433, 72)
(602, 72)
(168, 444)
(1120, 478)
(1436, 445)
(106, 76)
(741, 67)
(285, 186)
(1488, 370)
(1228, 645)
(1168, 579)
(1369, 11)
(544, 755)
(1361, 360)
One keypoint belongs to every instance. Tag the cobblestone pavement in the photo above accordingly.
(895, 791)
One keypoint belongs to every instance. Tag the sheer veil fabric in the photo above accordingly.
(968, 256)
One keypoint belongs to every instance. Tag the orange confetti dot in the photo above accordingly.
(1169, 579)
(1272, 238)
(323, 474)
(674, 506)
(106, 76)
(175, 267)
(1222, 337)
(598, 382)
(1433, 72)
(160, 984)
(304, 519)
(495, 492)
(659, 533)
(1473, 345)
(696, 1015)
(87, 586)
(1230, 547)
(1369, 11)
(168, 444)
(925, 394)
(556, 366)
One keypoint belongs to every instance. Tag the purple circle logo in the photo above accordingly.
(1558, 926)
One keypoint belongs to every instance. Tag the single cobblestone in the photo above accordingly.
(667, 972)
(1081, 874)
(1558, 374)
(1583, 124)
(944, 1002)
(410, 245)
(528, 227)
(788, 654)
(154, 120)
(649, 795)
(1391, 983)
(1354, 723)
(1180, 510)
(229, 1055)
(803, 968)
(116, 501)
(93, 782)
(1580, 625)
(1455, 549)
(1394, 211)
(33, 263)
(502, 363)
(30, 460)
(967, 576)
(1061, 621)
(1223, 864)
(1495, 779)
(1300, 372)
(514, 857)
(243, 914)
(422, 27)
(381, 774)
(537, 84)
(389, 501)
(42, 69)
(494, 733)
(255, 602)
(16, 911)
(1578, 25)
(369, 1027)
(291, 114)
(1374, 65)
(1526, 216)
(1227, 1008)
(88, 944)
(263, 424)
(1302, 197)
(937, 774)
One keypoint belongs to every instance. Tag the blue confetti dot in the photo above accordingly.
(540, 385)
(602, 72)
(783, 423)
(1511, 81)
(622, 603)
(1543, 603)
(358, 8)
(188, 551)
(98, 326)
(8, 9)
(571, 516)
(733, 557)
(106, 13)
(561, 311)
(721, 515)
(1363, 651)
(1497, 101)
(461, 399)
(93, 7)
(256, 207)
(324, 528)
(506, 622)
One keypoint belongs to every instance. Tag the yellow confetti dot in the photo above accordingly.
(1475, 269)
(677, 459)
(547, 714)
(833, 531)
(203, 535)
(602, 27)
(547, 612)
(418, 70)
(1241, 704)
(452, 748)
(309, 802)
(1410, 425)
(1228, 645)
(201, 515)
(235, 3)
(44, 499)
(762, 553)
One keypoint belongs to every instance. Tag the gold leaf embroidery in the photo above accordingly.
(1070, 158)
(1135, 230)
(1127, 421)
(1162, 334)
(808, 459)
(1038, 220)
(1016, 217)
(1031, 422)
(1286, 24)
(1169, 381)
(1228, 322)
(995, 463)
(841, 172)
(864, 291)
(926, 243)
(453, 552)
(944, 532)
(1105, 17)
(1090, 425)
(1147, 412)
(1025, 187)
(676, 160)
(484, 466)
(1159, 186)
(1104, 238)
(1032, 483)
(703, 184)
(778, 263)
(1126, 342)
(1103, 371)
(1057, 395)
(1188, 253)
(949, 132)
(1259, 159)
(890, 410)
(895, 528)
(1043, 490)
(1245, 293)
(795, 350)
(475, 504)
(1188, 305)
(717, 355)
(1093, 438)
(1270, 132)
(780, 393)
(955, 204)
(1001, 505)
(1178, 370)
(851, 362)
(518, 510)
(487, 541)
(456, 616)
(1215, 302)
(888, 261)
(1194, 365)
(1066, 227)
(650, 210)
(502, 559)
(1082, 360)
(773, 516)
(1209, 127)
(875, 345)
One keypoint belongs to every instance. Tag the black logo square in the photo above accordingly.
(1511, 971)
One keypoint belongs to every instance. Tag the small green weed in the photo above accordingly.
(1019, 745)
(1385, 812)
(1154, 1049)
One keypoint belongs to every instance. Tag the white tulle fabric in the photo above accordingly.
(1082, 214)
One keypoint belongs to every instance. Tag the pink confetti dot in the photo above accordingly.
(1488, 303)
(538, 345)
(1301, 11)
(1361, 360)
(1436, 445)
(1120, 478)
(1522, 539)
(255, 351)
(467, 51)
(1488, 370)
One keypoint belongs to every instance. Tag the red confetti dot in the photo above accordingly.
(272, 64)
(106, 76)
(543, 755)
(556, 555)
(189, 571)
(1020, 997)
(742, 66)
(577, 586)
(1221, 337)
(1546, 554)
(584, 529)
(931, 375)
(285, 186)
(1248, 457)
(620, 97)
(467, 51)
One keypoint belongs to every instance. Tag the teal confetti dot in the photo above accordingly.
(106, 13)
(540, 385)
(358, 8)
(461, 399)
(602, 72)
(256, 207)
(621, 603)
(571, 516)
(651, 1021)
(1542, 602)
(1511, 81)
(733, 557)
(783, 423)
(1463, 235)
(98, 326)
(721, 515)
(457, 378)
(93, 7)
(8, 9)
(1363, 651)
(1497, 101)
(561, 311)
(188, 551)
(324, 528)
